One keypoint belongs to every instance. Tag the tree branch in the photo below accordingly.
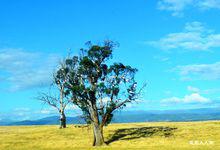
(50, 100)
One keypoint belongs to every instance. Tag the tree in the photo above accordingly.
(99, 88)
(58, 102)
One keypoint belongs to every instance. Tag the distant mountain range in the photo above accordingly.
(133, 116)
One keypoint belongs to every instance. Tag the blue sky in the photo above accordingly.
(174, 44)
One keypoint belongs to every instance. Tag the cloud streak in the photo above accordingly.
(199, 71)
(192, 98)
(194, 37)
(177, 7)
(25, 70)
(25, 113)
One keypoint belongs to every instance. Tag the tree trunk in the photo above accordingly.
(62, 120)
(62, 114)
(97, 129)
(98, 135)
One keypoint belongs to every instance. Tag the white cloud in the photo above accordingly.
(194, 37)
(195, 97)
(199, 71)
(211, 91)
(193, 89)
(162, 58)
(177, 7)
(25, 70)
(203, 91)
(24, 113)
(208, 4)
(47, 111)
(192, 98)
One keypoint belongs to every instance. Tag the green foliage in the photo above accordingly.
(90, 79)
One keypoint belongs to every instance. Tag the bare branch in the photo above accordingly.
(48, 99)
(142, 88)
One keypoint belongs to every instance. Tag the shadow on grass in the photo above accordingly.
(134, 133)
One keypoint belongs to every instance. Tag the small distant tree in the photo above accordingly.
(62, 100)
(98, 87)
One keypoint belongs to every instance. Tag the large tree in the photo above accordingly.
(98, 86)
(58, 86)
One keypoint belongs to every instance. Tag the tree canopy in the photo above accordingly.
(98, 86)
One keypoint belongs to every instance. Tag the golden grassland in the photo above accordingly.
(161, 136)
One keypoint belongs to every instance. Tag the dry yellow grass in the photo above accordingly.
(160, 136)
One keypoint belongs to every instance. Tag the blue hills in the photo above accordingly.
(202, 114)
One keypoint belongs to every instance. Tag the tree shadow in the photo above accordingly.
(134, 133)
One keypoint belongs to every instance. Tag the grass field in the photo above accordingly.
(164, 135)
